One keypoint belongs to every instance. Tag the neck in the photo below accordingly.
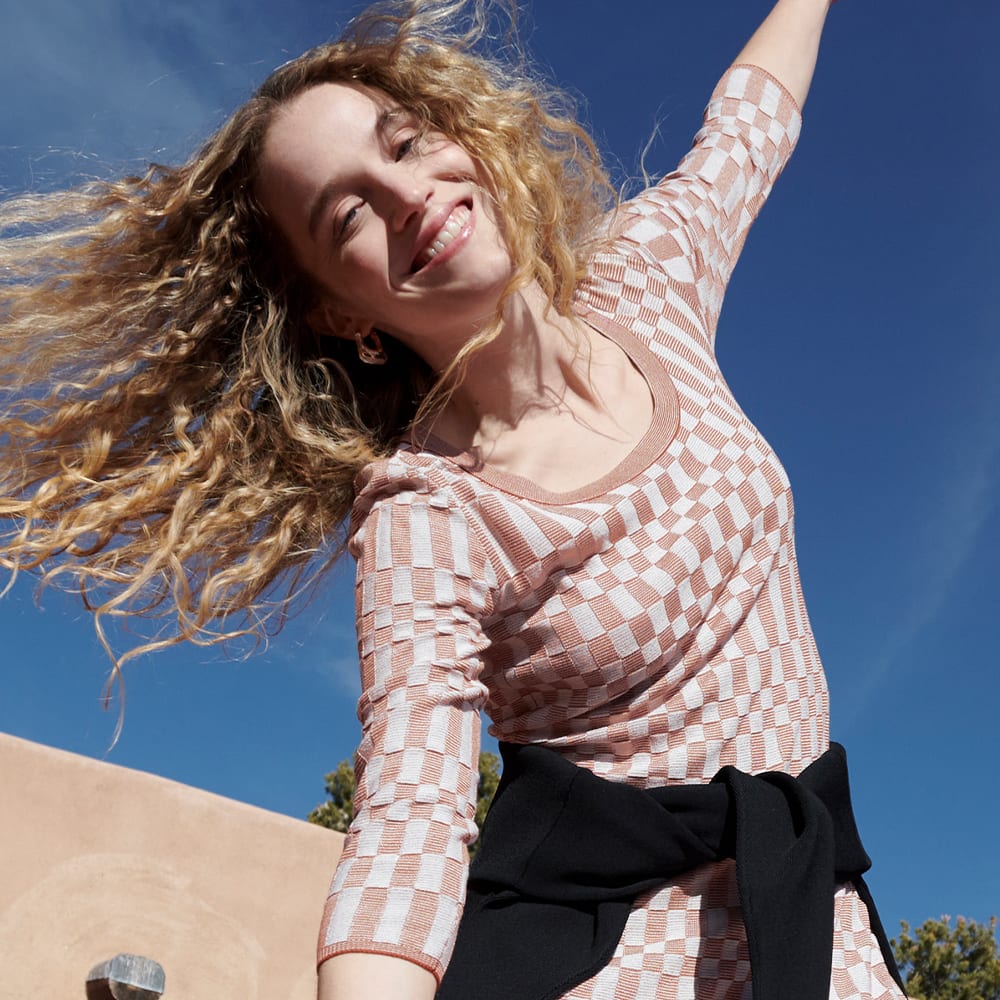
(537, 362)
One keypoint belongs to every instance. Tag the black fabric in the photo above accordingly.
(565, 853)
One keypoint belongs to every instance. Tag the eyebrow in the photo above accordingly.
(332, 187)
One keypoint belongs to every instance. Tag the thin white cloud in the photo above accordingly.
(326, 646)
(963, 495)
(84, 66)
(101, 83)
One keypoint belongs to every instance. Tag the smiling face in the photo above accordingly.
(389, 221)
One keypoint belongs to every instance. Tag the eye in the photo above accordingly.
(407, 146)
(346, 223)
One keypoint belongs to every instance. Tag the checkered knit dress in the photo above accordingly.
(649, 626)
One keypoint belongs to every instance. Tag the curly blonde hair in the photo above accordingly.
(175, 438)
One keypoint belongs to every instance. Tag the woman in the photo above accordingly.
(388, 286)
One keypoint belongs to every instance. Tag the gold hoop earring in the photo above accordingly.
(370, 349)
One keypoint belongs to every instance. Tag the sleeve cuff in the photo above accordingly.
(758, 72)
(432, 965)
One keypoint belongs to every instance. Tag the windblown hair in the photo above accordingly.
(176, 440)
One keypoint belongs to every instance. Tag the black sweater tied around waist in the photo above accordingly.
(565, 854)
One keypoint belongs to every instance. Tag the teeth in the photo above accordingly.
(451, 228)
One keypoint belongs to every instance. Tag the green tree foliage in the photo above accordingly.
(941, 962)
(338, 811)
(489, 778)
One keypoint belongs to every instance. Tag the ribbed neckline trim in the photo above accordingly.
(661, 431)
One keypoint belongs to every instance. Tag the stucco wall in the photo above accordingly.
(97, 859)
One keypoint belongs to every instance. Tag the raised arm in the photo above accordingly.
(694, 222)
(787, 43)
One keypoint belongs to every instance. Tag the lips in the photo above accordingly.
(440, 235)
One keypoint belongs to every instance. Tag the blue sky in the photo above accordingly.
(860, 333)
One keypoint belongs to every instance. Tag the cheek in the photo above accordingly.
(357, 284)
(362, 265)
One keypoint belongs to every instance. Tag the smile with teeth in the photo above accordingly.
(452, 227)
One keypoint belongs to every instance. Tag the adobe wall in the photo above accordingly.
(97, 859)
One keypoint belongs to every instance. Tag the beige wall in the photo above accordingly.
(97, 859)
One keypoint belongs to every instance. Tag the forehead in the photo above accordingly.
(330, 116)
(322, 136)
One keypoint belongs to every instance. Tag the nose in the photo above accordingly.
(407, 195)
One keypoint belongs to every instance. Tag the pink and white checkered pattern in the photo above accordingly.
(650, 627)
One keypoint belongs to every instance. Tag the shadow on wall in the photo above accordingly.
(99, 860)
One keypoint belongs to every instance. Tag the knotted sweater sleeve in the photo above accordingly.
(693, 223)
(422, 589)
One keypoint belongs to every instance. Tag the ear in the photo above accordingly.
(329, 321)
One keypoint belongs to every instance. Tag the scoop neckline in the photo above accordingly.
(661, 431)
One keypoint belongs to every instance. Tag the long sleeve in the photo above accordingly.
(692, 225)
(422, 589)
